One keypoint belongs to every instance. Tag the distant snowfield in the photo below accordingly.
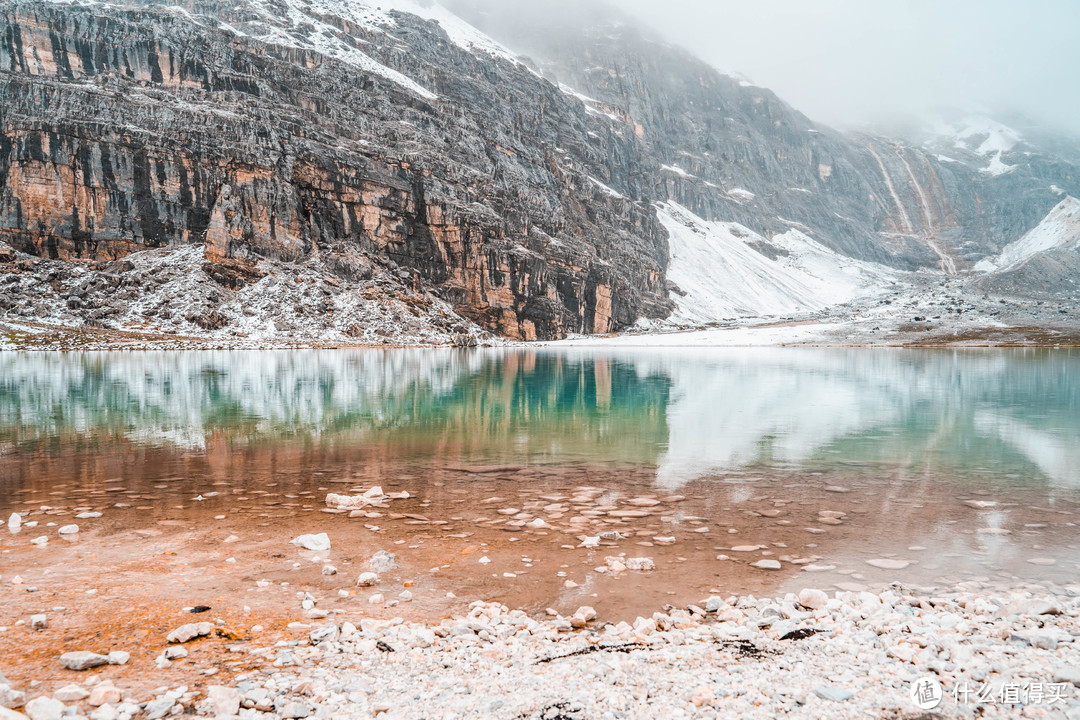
(763, 336)
(1060, 228)
(727, 271)
(981, 136)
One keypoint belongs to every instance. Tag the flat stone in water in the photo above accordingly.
(383, 561)
(316, 542)
(888, 563)
(1042, 561)
(850, 587)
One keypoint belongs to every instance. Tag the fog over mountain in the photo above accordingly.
(850, 63)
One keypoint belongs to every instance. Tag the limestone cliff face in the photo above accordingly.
(125, 129)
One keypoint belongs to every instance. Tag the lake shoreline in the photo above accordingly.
(375, 626)
(745, 656)
(823, 333)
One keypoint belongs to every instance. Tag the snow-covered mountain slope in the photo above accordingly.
(728, 271)
(317, 25)
(1060, 228)
(304, 25)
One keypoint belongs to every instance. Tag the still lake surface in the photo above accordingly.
(957, 463)
(1002, 416)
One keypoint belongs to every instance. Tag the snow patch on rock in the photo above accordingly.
(1060, 228)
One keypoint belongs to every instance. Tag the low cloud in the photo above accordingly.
(852, 62)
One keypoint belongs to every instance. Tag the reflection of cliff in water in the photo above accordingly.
(491, 405)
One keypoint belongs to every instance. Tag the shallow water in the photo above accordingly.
(957, 464)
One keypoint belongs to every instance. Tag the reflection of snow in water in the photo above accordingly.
(734, 408)
(737, 408)
(1058, 457)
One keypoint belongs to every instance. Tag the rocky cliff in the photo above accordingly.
(130, 128)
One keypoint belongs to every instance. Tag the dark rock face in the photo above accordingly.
(124, 129)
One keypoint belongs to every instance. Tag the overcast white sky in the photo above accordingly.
(852, 62)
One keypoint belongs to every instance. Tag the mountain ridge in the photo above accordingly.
(395, 152)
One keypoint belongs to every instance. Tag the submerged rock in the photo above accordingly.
(382, 561)
(367, 579)
(375, 496)
(318, 542)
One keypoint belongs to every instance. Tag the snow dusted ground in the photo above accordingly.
(167, 298)
(751, 336)
(734, 287)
